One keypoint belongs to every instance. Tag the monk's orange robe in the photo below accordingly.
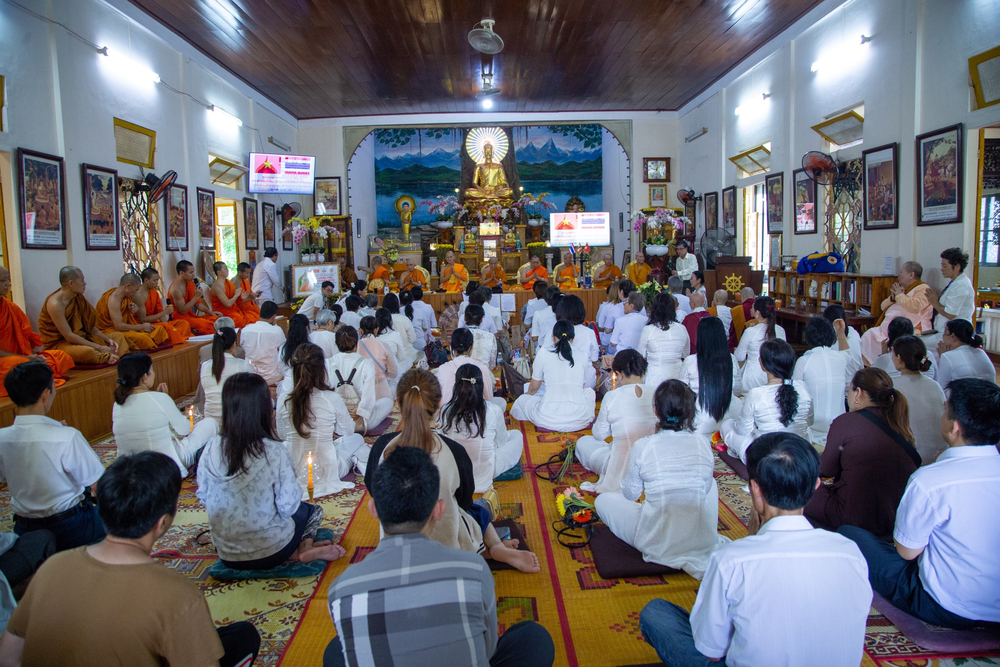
(638, 274)
(566, 277)
(381, 273)
(251, 313)
(534, 275)
(178, 331)
(348, 278)
(200, 325)
(613, 273)
(495, 278)
(454, 278)
(414, 278)
(18, 338)
(232, 311)
(82, 318)
(137, 340)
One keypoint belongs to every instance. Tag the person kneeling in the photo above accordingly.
(410, 581)
(110, 603)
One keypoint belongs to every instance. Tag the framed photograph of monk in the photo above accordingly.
(729, 209)
(267, 215)
(657, 196)
(326, 195)
(775, 186)
(880, 187)
(656, 170)
(250, 225)
(711, 210)
(100, 208)
(805, 203)
(176, 204)
(206, 218)
(939, 176)
(41, 180)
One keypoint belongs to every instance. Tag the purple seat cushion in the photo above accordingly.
(940, 640)
(615, 559)
(738, 466)
(380, 428)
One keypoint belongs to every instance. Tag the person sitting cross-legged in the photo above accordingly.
(413, 601)
(943, 568)
(110, 603)
(788, 596)
(263, 341)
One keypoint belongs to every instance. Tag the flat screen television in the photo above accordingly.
(567, 229)
(275, 173)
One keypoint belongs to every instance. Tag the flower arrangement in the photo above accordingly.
(532, 205)
(388, 249)
(300, 229)
(444, 208)
(649, 290)
(442, 249)
(574, 509)
(537, 248)
(718, 444)
(657, 225)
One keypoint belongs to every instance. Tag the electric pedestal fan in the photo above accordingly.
(717, 243)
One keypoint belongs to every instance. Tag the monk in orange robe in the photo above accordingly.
(116, 312)
(149, 308)
(412, 276)
(248, 302)
(69, 323)
(377, 272)
(638, 271)
(225, 296)
(605, 272)
(19, 343)
(189, 303)
(531, 272)
(348, 276)
(493, 275)
(454, 276)
(567, 273)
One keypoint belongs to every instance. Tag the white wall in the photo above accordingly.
(912, 78)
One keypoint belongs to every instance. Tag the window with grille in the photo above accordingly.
(140, 222)
(989, 231)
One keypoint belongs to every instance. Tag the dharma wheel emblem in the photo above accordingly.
(733, 283)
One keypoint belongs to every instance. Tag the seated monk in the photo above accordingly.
(567, 275)
(907, 298)
(605, 272)
(493, 275)
(739, 316)
(530, 272)
(377, 271)
(347, 274)
(116, 312)
(638, 271)
(226, 296)
(19, 343)
(454, 276)
(149, 308)
(189, 303)
(248, 302)
(412, 277)
(69, 323)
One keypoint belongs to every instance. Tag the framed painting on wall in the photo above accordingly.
(657, 196)
(939, 176)
(655, 170)
(775, 251)
(41, 184)
(775, 187)
(805, 202)
(880, 187)
(729, 209)
(711, 210)
(100, 208)
(689, 213)
(286, 234)
(267, 215)
(176, 203)
(250, 226)
(326, 195)
(206, 218)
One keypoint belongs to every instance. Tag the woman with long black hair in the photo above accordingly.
(402, 324)
(298, 333)
(711, 375)
(780, 404)
(221, 366)
(761, 328)
(962, 355)
(663, 341)
(247, 482)
(566, 404)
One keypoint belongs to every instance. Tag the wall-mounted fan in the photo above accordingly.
(717, 243)
(483, 39)
(157, 186)
(820, 167)
(294, 207)
(687, 197)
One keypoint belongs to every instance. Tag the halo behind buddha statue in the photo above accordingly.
(479, 137)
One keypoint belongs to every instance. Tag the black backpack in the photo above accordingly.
(436, 354)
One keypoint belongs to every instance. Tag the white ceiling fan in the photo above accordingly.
(484, 40)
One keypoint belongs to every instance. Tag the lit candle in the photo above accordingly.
(309, 486)
(191, 415)
(613, 381)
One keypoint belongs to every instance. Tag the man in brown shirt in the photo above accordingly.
(110, 603)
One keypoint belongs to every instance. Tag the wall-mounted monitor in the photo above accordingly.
(275, 173)
(580, 229)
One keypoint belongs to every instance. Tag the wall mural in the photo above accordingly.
(424, 163)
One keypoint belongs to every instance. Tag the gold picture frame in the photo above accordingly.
(977, 83)
(139, 129)
(657, 196)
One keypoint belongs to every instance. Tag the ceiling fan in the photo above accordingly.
(483, 39)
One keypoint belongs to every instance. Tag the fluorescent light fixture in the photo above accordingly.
(279, 144)
(225, 115)
(847, 56)
(129, 66)
(487, 103)
(753, 106)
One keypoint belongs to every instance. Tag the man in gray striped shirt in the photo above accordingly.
(415, 602)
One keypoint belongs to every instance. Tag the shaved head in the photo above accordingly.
(68, 273)
(720, 297)
(697, 299)
(130, 279)
(747, 293)
(149, 272)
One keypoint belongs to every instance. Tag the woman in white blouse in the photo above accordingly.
(711, 375)
(400, 322)
(962, 356)
(567, 405)
(585, 345)
(925, 396)
(325, 332)
(780, 404)
(383, 358)
(761, 328)
(394, 344)
(626, 415)
(663, 341)
(310, 418)
(899, 327)
(605, 312)
(821, 369)
(217, 370)
(484, 348)
(145, 419)
(478, 425)
(677, 524)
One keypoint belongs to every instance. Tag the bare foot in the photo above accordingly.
(329, 552)
(511, 544)
(525, 561)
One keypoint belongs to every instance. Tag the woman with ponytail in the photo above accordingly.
(711, 373)
(383, 359)
(222, 365)
(898, 327)
(962, 355)
(870, 456)
(403, 324)
(146, 418)
(924, 396)
(313, 418)
(677, 524)
(780, 404)
(557, 398)
(760, 328)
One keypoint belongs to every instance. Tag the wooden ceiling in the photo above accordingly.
(322, 58)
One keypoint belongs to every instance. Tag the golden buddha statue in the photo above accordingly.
(490, 181)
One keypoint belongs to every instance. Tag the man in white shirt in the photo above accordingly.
(722, 311)
(628, 328)
(768, 599)
(323, 334)
(532, 306)
(351, 316)
(266, 279)
(424, 319)
(489, 324)
(685, 264)
(956, 300)
(316, 301)
(492, 312)
(943, 568)
(676, 287)
(545, 318)
(47, 467)
(262, 341)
